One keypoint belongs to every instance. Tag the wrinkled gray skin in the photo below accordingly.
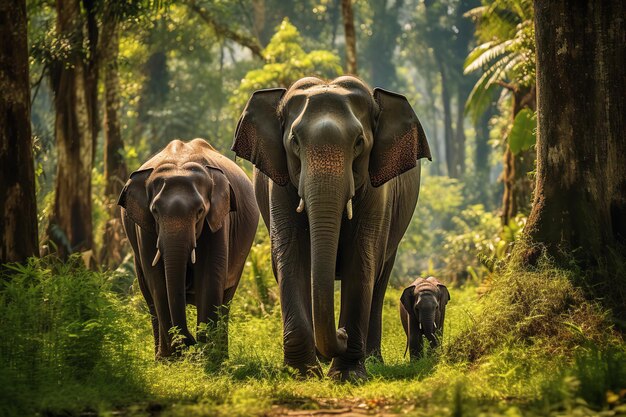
(324, 152)
(188, 196)
(423, 311)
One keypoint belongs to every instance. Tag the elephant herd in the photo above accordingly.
(336, 180)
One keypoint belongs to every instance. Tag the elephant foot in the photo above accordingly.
(310, 369)
(348, 371)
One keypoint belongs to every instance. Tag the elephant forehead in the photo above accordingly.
(325, 159)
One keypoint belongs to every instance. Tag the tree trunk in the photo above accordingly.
(115, 172)
(482, 151)
(382, 43)
(448, 131)
(580, 195)
(517, 185)
(459, 138)
(18, 210)
(70, 227)
(348, 24)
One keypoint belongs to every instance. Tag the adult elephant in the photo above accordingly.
(338, 183)
(190, 216)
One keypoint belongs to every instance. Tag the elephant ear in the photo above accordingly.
(134, 198)
(399, 140)
(407, 299)
(222, 199)
(444, 295)
(258, 137)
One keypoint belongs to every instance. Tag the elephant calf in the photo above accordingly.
(422, 311)
(190, 216)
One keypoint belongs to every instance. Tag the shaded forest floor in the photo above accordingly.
(74, 343)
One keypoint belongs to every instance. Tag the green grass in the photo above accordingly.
(69, 343)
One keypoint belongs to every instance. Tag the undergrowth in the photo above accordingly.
(530, 344)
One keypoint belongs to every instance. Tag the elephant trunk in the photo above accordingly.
(176, 248)
(325, 212)
(427, 321)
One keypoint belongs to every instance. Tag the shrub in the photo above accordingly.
(62, 332)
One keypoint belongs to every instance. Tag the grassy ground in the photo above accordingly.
(72, 345)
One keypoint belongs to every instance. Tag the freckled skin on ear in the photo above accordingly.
(337, 181)
(165, 206)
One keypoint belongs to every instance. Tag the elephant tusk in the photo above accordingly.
(435, 324)
(420, 325)
(349, 209)
(300, 206)
(193, 256)
(156, 257)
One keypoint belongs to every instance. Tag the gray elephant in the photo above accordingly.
(423, 312)
(190, 216)
(337, 179)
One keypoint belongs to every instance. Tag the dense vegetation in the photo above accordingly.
(520, 213)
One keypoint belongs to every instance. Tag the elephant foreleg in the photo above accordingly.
(356, 297)
(374, 333)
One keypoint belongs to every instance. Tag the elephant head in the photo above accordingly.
(329, 141)
(424, 302)
(175, 202)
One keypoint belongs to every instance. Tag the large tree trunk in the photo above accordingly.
(18, 210)
(72, 82)
(518, 186)
(115, 172)
(348, 24)
(459, 137)
(580, 195)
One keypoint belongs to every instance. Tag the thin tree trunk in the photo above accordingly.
(482, 151)
(580, 196)
(451, 151)
(18, 210)
(459, 138)
(348, 24)
(115, 172)
(517, 185)
(70, 227)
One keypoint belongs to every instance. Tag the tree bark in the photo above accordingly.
(348, 24)
(70, 226)
(459, 137)
(518, 186)
(18, 210)
(115, 172)
(580, 194)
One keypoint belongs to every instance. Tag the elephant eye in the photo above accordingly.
(295, 143)
(358, 145)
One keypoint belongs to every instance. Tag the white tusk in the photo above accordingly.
(193, 256)
(435, 324)
(349, 209)
(420, 325)
(300, 206)
(156, 257)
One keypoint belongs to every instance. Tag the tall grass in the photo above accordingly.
(71, 340)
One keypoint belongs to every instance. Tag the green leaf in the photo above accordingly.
(522, 135)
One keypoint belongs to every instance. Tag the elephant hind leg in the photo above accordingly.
(374, 333)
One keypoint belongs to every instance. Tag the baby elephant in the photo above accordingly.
(190, 216)
(422, 311)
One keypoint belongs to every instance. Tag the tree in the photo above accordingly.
(506, 57)
(348, 24)
(74, 81)
(379, 50)
(580, 195)
(18, 223)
